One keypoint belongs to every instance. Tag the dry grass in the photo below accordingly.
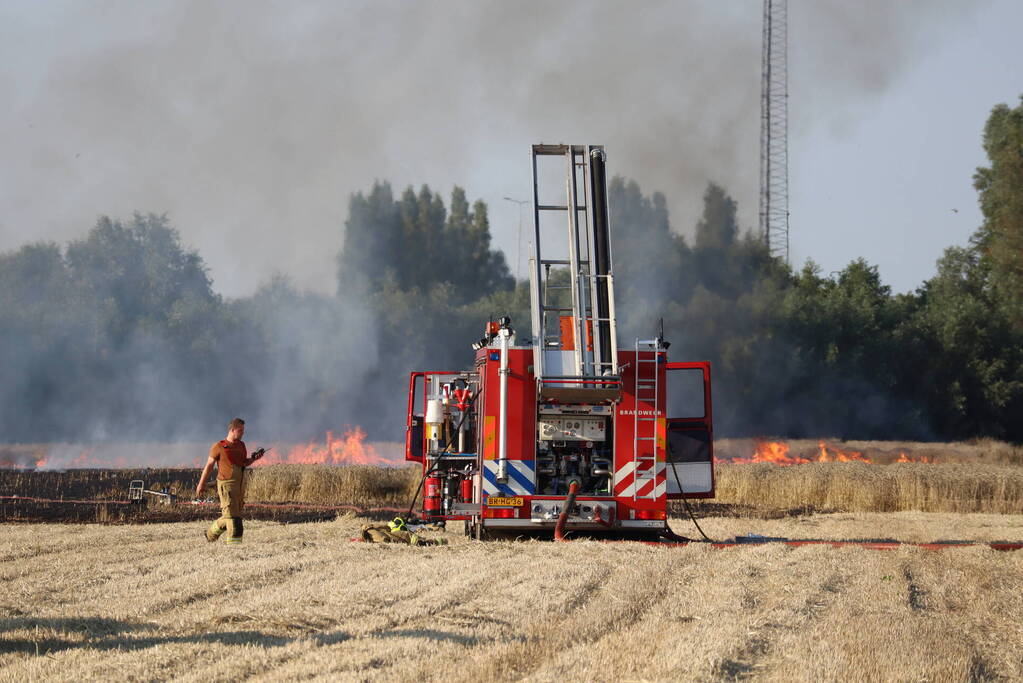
(859, 487)
(144, 603)
(982, 476)
(978, 451)
(363, 485)
(854, 487)
(760, 489)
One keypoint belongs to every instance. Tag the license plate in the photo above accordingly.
(494, 501)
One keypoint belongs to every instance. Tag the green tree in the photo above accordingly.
(457, 233)
(45, 342)
(120, 335)
(717, 228)
(37, 294)
(372, 230)
(650, 261)
(142, 278)
(726, 262)
(488, 268)
(413, 244)
(1000, 187)
(968, 367)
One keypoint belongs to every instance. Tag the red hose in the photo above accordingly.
(559, 528)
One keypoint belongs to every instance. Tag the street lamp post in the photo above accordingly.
(518, 242)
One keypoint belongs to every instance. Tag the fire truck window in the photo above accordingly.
(685, 393)
(688, 445)
(417, 397)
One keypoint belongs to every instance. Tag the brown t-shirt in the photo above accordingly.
(230, 459)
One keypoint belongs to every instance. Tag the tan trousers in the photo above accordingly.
(232, 499)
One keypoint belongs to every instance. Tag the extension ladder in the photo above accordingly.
(568, 366)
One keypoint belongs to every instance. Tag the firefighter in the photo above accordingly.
(396, 531)
(231, 459)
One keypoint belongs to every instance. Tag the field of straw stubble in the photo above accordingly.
(301, 601)
(758, 487)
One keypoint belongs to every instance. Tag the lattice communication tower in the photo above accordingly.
(774, 130)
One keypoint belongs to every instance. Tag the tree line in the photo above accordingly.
(119, 335)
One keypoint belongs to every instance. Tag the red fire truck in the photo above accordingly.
(567, 424)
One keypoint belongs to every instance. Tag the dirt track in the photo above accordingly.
(141, 602)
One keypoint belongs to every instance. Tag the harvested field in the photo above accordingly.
(151, 602)
(148, 601)
(34, 511)
(754, 490)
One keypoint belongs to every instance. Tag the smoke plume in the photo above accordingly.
(251, 123)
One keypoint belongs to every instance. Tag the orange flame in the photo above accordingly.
(350, 449)
(914, 458)
(777, 452)
(772, 451)
(837, 455)
(85, 459)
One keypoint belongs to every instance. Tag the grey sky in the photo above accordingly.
(251, 123)
(891, 178)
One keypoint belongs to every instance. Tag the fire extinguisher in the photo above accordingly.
(431, 495)
(467, 487)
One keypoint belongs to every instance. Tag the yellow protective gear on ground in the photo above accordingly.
(384, 533)
(232, 499)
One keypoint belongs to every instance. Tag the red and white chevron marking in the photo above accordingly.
(629, 483)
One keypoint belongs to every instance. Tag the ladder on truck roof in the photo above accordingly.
(575, 347)
(646, 421)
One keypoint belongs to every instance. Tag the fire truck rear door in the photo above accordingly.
(689, 431)
(414, 419)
